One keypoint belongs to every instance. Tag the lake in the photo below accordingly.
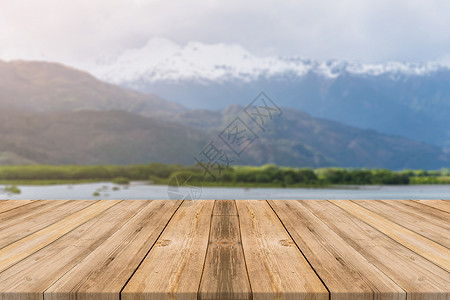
(141, 190)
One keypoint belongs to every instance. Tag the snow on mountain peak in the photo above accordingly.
(163, 60)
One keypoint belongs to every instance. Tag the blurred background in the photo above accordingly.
(102, 98)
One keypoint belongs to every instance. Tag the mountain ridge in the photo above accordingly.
(48, 86)
(163, 60)
(405, 99)
(41, 128)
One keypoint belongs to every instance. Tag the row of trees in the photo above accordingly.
(99, 172)
(246, 175)
(342, 176)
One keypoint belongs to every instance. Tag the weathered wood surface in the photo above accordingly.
(345, 272)
(414, 216)
(224, 273)
(417, 276)
(443, 205)
(34, 217)
(429, 249)
(107, 268)
(32, 276)
(225, 249)
(173, 268)
(6, 205)
(276, 268)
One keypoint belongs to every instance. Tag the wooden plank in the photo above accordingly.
(224, 274)
(173, 268)
(432, 251)
(343, 270)
(31, 277)
(106, 269)
(276, 267)
(435, 215)
(6, 205)
(420, 278)
(19, 250)
(28, 219)
(224, 208)
(443, 205)
(413, 216)
(14, 216)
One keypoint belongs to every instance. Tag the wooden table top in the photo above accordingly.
(224, 249)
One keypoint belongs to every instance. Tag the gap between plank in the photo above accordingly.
(29, 202)
(240, 238)
(243, 253)
(75, 265)
(145, 256)
(60, 236)
(392, 238)
(94, 201)
(312, 268)
(398, 224)
(422, 202)
(206, 254)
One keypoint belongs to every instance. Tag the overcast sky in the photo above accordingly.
(358, 30)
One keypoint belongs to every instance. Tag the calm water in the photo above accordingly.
(138, 190)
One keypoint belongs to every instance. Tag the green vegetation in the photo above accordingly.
(12, 189)
(121, 180)
(358, 177)
(244, 176)
(47, 181)
(272, 175)
(79, 173)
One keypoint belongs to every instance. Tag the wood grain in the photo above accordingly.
(19, 250)
(429, 249)
(106, 269)
(31, 277)
(413, 217)
(245, 249)
(225, 208)
(344, 271)
(224, 274)
(13, 216)
(173, 268)
(27, 219)
(419, 277)
(6, 205)
(443, 205)
(276, 267)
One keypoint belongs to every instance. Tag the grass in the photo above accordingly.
(247, 184)
(12, 189)
(121, 180)
(49, 181)
(270, 176)
(430, 180)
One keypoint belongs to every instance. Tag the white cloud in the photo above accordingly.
(367, 31)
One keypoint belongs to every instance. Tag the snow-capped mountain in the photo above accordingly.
(162, 60)
(406, 99)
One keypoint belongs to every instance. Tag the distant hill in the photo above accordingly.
(414, 106)
(397, 98)
(298, 139)
(49, 87)
(9, 158)
(95, 137)
(117, 137)
(53, 114)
